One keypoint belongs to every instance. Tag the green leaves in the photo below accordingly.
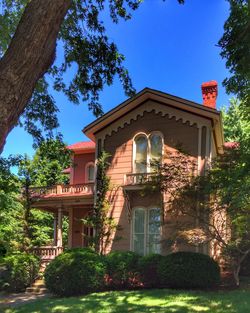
(235, 48)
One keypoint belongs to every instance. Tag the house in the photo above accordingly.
(149, 125)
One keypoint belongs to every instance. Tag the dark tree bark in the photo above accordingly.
(30, 54)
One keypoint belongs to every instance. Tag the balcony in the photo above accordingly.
(136, 179)
(62, 190)
(47, 252)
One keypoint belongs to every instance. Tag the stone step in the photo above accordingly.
(36, 290)
(38, 283)
(38, 287)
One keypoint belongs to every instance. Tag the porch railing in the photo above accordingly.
(138, 178)
(85, 189)
(47, 252)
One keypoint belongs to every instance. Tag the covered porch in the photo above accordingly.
(73, 201)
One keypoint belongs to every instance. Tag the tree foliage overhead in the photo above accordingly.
(235, 48)
(91, 58)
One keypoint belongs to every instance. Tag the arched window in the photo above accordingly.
(147, 151)
(146, 230)
(90, 172)
(141, 151)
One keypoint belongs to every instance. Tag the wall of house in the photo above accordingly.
(120, 145)
(79, 169)
(76, 225)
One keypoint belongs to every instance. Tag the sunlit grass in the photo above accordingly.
(155, 301)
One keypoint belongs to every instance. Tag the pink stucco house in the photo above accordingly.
(147, 126)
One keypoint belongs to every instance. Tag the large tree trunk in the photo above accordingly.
(30, 54)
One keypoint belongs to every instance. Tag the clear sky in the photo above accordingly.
(169, 47)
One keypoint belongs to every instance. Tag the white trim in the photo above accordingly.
(134, 149)
(146, 226)
(151, 106)
(199, 150)
(86, 172)
(72, 170)
(148, 148)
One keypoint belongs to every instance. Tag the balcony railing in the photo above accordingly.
(47, 252)
(138, 178)
(79, 189)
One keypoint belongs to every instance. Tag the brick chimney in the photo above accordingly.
(209, 93)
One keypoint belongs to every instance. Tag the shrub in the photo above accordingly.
(148, 266)
(75, 272)
(21, 271)
(188, 270)
(245, 267)
(122, 270)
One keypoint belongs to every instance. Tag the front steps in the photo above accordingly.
(38, 287)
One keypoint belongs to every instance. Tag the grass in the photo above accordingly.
(157, 301)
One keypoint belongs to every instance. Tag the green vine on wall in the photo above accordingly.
(104, 224)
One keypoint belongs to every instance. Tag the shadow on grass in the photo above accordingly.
(157, 301)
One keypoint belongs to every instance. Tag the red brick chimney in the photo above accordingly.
(209, 93)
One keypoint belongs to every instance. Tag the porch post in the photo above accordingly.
(59, 228)
(55, 229)
(70, 228)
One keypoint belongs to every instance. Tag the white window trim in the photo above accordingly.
(146, 227)
(148, 148)
(86, 172)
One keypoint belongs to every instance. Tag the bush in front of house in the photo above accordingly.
(148, 267)
(20, 271)
(75, 272)
(188, 270)
(122, 270)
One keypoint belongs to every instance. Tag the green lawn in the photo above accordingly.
(157, 301)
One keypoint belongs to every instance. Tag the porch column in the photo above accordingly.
(59, 228)
(55, 230)
(70, 229)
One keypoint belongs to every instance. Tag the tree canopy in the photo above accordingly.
(30, 31)
(235, 48)
(22, 227)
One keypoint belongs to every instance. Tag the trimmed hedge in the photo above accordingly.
(20, 271)
(75, 272)
(188, 270)
(148, 266)
(122, 270)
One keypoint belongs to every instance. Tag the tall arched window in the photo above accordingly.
(141, 152)
(90, 172)
(147, 151)
(146, 230)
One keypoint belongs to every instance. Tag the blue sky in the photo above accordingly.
(169, 47)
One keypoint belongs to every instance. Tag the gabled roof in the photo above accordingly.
(83, 147)
(164, 99)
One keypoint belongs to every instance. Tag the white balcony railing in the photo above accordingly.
(79, 189)
(138, 178)
(47, 252)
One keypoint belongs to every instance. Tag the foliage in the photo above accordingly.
(148, 267)
(235, 122)
(188, 270)
(11, 213)
(235, 48)
(49, 161)
(22, 269)
(89, 58)
(75, 272)
(20, 226)
(122, 270)
(100, 220)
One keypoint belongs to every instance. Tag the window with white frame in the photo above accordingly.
(90, 172)
(147, 150)
(146, 230)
